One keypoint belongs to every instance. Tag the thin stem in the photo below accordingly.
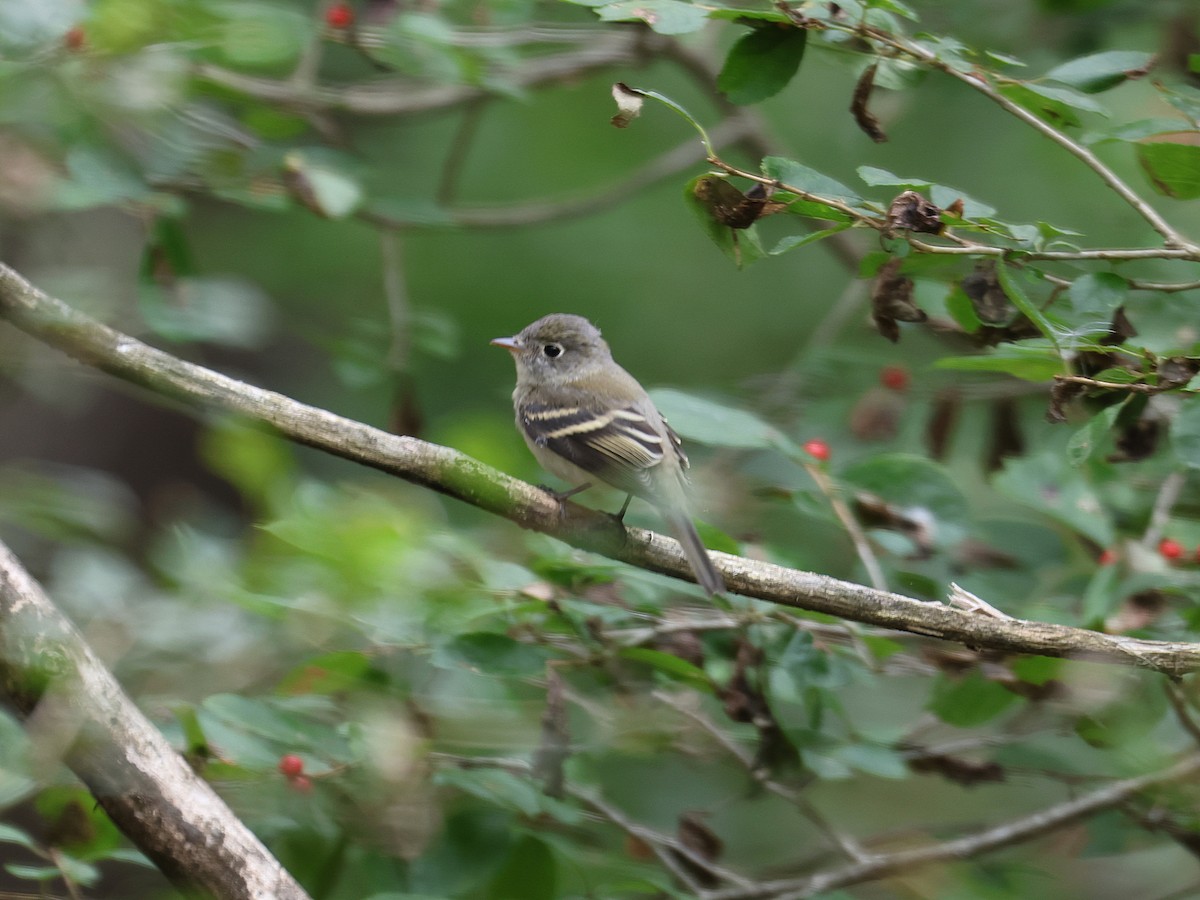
(1171, 237)
(861, 545)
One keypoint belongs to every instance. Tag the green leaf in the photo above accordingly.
(709, 422)
(669, 664)
(761, 63)
(1032, 360)
(1047, 483)
(1090, 437)
(800, 240)
(10, 834)
(258, 463)
(492, 654)
(797, 175)
(742, 245)
(1058, 106)
(882, 762)
(915, 483)
(1100, 71)
(98, 177)
(1100, 597)
(1185, 433)
(1098, 294)
(663, 16)
(940, 194)
(1138, 130)
(1173, 169)
(495, 786)
(262, 35)
(969, 702)
(329, 673)
(1016, 293)
(529, 873)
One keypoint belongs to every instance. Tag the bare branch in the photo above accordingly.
(147, 789)
(1014, 832)
(458, 475)
(401, 96)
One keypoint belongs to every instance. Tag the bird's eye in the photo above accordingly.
(552, 350)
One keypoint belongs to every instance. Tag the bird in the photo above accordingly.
(586, 419)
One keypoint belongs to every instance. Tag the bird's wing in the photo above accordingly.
(617, 445)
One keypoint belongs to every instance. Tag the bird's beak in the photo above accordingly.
(509, 343)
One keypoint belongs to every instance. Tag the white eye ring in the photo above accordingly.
(552, 351)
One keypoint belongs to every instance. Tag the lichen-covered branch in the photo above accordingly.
(147, 789)
(458, 475)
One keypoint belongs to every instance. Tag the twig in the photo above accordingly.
(1170, 236)
(846, 844)
(400, 96)
(666, 848)
(1168, 496)
(536, 212)
(1016, 831)
(1182, 713)
(395, 289)
(455, 474)
(1136, 387)
(853, 529)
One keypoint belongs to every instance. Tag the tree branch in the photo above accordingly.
(403, 96)
(1005, 835)
(170, 813)
(457, 475)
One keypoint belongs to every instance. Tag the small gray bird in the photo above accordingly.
(586, 419)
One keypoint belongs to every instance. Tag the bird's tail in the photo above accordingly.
(706, 573)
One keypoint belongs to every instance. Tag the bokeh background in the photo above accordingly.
(260, 599)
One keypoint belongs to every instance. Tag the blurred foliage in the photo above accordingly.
(277, 189)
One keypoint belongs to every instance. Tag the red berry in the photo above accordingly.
(301, 784)
(1170, 549)
(894, 377)
(817, 449)
(1107, 558)
(339, 15)
(291, 765)
(75, 38)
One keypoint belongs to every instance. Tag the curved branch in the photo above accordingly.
(400, 96)
(449, 472)
(1004, 835)
(47, 670)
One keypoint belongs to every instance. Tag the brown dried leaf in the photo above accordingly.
(988, 299)
(729, 206)
(875, 512)
(876, 415)
(858, 105)
(1061, 394)
(1120, 330)
(1137, 440)
(958, 769)
(702, 841)
(1004, 434)
(947, 407)
(891, 300)
(1138, 611)
(1176, 371)
(910, 211)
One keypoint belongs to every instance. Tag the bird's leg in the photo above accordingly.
(620, 515)
(560, 496)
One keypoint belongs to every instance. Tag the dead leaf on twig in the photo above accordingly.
(858, 106)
